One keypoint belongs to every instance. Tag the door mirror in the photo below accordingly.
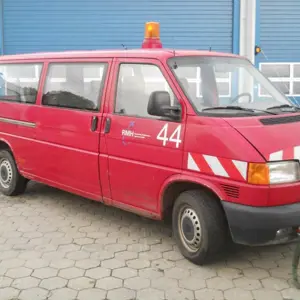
(160, 105)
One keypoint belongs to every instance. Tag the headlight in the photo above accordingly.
(284, 172)
(274, 172)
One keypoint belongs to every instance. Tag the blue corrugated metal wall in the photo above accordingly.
(51, 25)
(278, 30)
(278, 34)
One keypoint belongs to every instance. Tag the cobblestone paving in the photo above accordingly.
(58, 246)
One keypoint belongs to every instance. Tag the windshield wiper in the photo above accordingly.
(288, 106)
(252, 110)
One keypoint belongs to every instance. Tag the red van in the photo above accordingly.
(201, 137)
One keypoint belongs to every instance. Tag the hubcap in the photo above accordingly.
(6, 173)
(190, 229)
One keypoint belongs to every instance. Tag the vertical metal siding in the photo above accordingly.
(52, 25)
(279, 30)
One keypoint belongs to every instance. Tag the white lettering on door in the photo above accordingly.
(174, 137)
(127, 132)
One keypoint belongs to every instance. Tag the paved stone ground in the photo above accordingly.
(58, 246)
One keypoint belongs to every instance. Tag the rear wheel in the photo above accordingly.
(12, 183)
(199, 226)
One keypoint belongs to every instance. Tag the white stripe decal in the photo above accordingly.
(297, 152)
(276, 155)
(215, 165)
(192, 164)
(242, 167)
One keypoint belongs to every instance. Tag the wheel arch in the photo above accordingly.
(18, 182)
(178, 184)
(5, 145)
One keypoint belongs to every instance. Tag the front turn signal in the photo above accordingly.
(258, 173)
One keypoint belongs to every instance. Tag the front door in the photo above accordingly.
(68, 127)
(143, 150)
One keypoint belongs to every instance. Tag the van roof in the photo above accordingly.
(138, 53)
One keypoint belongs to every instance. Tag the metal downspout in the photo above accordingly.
(2, 26)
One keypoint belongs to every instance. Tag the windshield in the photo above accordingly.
(212, 82)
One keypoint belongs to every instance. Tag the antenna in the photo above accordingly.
(175, 64)
(210, 49)
(124, 46)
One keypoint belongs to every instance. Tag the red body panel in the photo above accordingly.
(138, 163)
(268, 139)
(129, 166)
(66, 150)
(161, 54)
(214, 136)
(18, 137)
(138, 168)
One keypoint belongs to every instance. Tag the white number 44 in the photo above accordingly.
(174, 137)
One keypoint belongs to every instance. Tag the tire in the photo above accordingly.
(12, 183)
(199, 211)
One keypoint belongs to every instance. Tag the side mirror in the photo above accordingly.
(160, 105)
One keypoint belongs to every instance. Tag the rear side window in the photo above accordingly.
(19, 82)
(74, 85)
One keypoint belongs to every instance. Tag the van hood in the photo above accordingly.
(276, 137)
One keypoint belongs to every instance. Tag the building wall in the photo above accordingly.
(278, 34)
(53, 25)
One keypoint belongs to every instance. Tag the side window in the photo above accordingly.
(20, 82)
(135, 84)
(74, 85)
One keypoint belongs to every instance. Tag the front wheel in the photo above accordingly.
(199, 226)
(12, 183)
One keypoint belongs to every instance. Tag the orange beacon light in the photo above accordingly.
(152, 36)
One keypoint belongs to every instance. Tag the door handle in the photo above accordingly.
(107, 125)
(94, 123)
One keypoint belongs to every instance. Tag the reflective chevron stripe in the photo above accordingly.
(218, 166)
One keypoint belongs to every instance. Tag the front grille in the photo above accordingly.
(280, 120)
(231, 191)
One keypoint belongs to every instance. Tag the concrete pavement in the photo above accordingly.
(57, 246)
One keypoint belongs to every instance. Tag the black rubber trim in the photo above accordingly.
(258, 225)
(280, 120)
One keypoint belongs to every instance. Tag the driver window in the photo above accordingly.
(135, 84)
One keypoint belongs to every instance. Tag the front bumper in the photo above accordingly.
(262, 225)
